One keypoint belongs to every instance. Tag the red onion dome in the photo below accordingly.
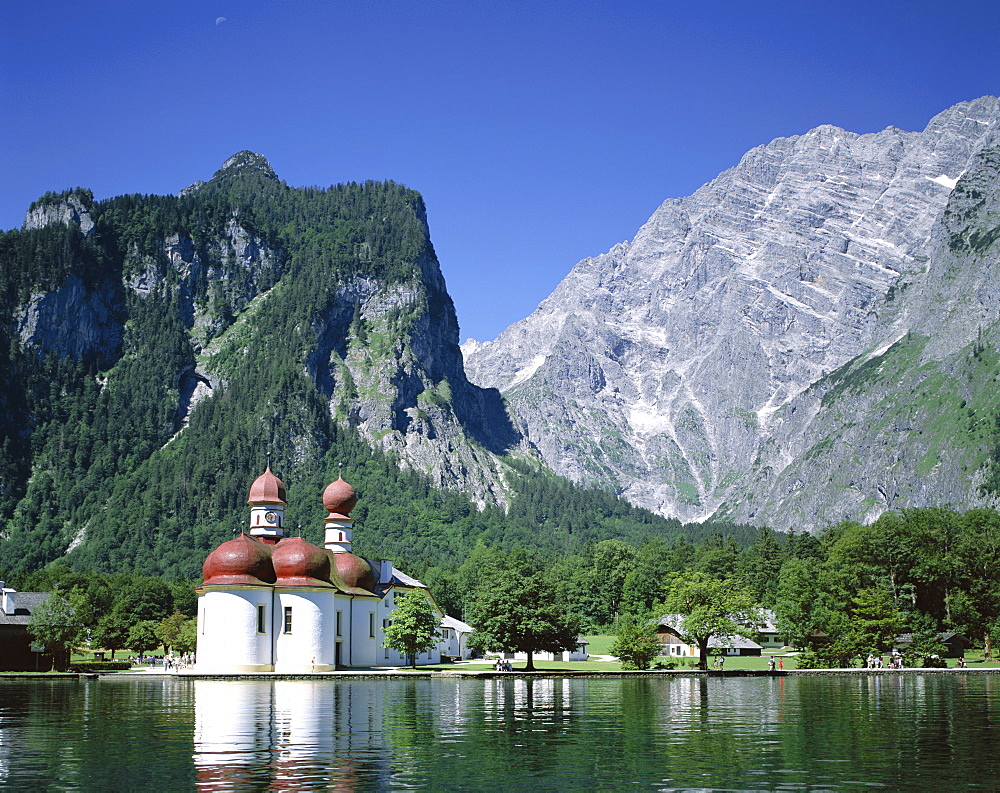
(353, 571)
(339, 498)
(267, 489)
(242, 560)
(300, 563)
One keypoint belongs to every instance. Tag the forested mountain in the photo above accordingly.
(812, 336)
(158, 351)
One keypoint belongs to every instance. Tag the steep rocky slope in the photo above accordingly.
(695, 369)
(156, 350)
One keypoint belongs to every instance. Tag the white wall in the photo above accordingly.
(364, 648)
(228, 640)
(310, 646)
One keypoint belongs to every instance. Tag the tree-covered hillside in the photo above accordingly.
(158, 351)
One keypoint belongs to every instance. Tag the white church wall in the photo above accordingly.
(364, 634)
(228, 636)
(304, 624)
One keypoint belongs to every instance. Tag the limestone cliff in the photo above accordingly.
(145, 337)
(691, 368)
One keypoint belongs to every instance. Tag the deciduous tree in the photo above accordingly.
(414, 626)
(142, 636)
(111, 632)
(636, 645)
(519, 612)
(708, 607)
(169, 629)
(55, 624)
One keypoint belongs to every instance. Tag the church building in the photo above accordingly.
(271, 603)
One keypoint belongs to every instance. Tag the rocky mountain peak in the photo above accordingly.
(246, 161)
(242, 163)
(666, 366)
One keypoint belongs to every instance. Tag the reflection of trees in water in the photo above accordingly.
(888, 730)
(56, 733)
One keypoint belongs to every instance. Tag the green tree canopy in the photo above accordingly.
(187, 639)
(142, 636)
(168, 630)
(55, 624)
(520, 612)
(707, 607)
(414, 626)
(802, 604)
(636, 645)
(875, 620)
(112, 632)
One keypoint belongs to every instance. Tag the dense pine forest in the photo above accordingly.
(111, 462)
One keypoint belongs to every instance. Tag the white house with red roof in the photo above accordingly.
(270, 603)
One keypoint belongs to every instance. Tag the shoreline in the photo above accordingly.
(486, 674)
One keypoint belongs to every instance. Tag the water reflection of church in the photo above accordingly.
(287, 735)
(275, 603)
(358, 734)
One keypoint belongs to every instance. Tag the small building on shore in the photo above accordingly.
(18, 652)
(271, 603)
(955, 643)
(454, 644)
(578, 653)
(674, 646)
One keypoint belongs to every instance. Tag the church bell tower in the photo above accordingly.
(267, 502)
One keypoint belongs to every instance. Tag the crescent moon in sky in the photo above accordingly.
(220, 20)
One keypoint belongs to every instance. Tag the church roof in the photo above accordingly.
(300, 563)
(242, 560)
(339, 498)
(293, 561)
(267, 489)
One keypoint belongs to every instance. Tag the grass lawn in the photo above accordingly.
(601, 645)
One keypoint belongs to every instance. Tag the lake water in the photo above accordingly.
(850, 732)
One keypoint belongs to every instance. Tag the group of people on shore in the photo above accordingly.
(169, 661)
(177, 661)
(502, 666)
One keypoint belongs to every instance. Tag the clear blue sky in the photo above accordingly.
(538, 132)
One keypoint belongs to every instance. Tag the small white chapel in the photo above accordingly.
(271, 603)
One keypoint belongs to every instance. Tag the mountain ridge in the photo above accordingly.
(159, 348)
(660, 368)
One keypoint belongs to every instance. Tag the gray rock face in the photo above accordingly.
(70, 211)
(669, 368)
(384, 353)
(74, 320)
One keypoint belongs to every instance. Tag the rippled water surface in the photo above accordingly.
(796, 733)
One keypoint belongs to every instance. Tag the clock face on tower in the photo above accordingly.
(270, 517)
